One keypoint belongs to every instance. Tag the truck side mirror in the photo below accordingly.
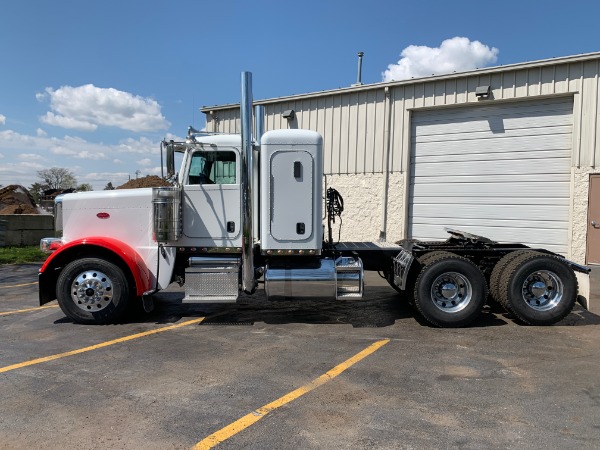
(170, 159)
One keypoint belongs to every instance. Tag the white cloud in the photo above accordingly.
(143, 146)
(453, 55)
(87, 107)
(2, 119)
(41, 133)
(30, 156)
(145, 162)
(67, 122)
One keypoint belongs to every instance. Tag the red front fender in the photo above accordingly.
(83, 247)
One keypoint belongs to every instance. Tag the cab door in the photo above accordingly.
(212, 198)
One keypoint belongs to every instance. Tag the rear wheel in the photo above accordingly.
(450, 290)
(498, 271)
(539, 289)
(93, 291)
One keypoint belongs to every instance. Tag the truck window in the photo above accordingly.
(209, 167)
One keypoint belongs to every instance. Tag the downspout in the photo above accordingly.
(386, 164)
(248, 279)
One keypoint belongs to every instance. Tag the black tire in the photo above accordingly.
(93, 291)
(538, 289)
(415, 269)
(497, 273)
(450, 290)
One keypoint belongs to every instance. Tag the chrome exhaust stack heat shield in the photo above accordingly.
(248, 277)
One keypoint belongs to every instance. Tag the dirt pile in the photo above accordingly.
(145, 182)
(15, 199)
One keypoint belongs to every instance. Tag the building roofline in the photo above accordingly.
(476, 72)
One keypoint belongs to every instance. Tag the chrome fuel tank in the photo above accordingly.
(314, 278)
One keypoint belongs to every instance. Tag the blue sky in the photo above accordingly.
(94, 86)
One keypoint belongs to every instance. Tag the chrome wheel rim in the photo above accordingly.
(451, 292)
(92, 291)
(542, 290)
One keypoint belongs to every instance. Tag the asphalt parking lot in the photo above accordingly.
(268, 375)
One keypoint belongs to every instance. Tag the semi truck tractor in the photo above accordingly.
(245, 212)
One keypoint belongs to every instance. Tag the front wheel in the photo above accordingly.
(92, 291)
(450, 291)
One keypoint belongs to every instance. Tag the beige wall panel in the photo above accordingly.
(472, 83)
(521, 86)
(509, 85)
(534, 80)
(379, 131)
(497, 87)
(356, 134)
(429, 94)
(441, 90)
(589, 118)
(462, 90)
(366, 122)
(419, 95)
(575, 74)
(397, 129)
(328, 135)
(336, 132)
(548, 80)
(561, 79)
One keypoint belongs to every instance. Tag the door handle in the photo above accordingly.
(595, 224)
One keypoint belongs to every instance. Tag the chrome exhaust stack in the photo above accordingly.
(248, 277)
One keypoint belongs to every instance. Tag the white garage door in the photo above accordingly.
(500, 171)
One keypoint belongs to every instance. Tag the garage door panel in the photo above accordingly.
(444, 180)
(502, 171)
(543, 154)
(496, 145)
(493, 201)
(487, 134)
(549, 167)
(547, 108)
(504, 190)
(497, 126)
(538, 213)
(463, 224)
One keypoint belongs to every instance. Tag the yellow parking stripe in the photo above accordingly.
(7, 313)
(249, 419)
(19, 285)
(97, 346)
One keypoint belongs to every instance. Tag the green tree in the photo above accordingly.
(109, 186)
(57, 178)
(84, 187)
(37, 191)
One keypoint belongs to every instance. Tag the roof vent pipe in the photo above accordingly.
(359, 76)
(248, 279)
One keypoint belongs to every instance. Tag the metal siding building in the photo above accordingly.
(413, 156)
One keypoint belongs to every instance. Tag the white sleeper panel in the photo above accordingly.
(499, 170)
